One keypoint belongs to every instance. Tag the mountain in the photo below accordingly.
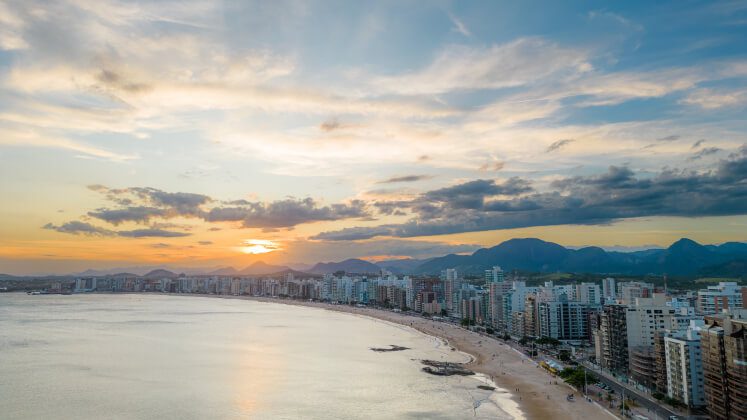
(732, 269)
(684, 257)
(224, 271)
(300, 266)
(261, 268)
(352, 265)
(160, 273)
(402, 266)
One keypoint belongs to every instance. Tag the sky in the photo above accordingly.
(221, 133)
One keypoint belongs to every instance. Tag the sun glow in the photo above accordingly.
(259, 246)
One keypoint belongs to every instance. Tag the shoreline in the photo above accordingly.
(523, 388)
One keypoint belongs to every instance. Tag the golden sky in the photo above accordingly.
(206, 134)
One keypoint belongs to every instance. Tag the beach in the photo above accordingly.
(536, 394)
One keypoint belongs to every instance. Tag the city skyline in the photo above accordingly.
(225, 133)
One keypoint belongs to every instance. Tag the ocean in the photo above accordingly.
(150, 356)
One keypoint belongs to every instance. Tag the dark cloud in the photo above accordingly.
(205, 243)
(140, 214)
(558, 145)
(151, 233)
(152, 203)
(82, 228)
(354, 233)
(158, 204)
(406, 178)
(286, 213)
(616, 194)
(330, 125)
(673, 137)
(184, 204)
(160, 245)
(472, 194)
(113, 80)
(706, 151)
(491, 166)
(79, 228)
(698, 143)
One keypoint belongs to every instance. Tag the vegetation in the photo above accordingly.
(548, 341)
(564, 355)
(466, 322)
(575, 377)
(525, 340)
(672, 401)
(658, 395)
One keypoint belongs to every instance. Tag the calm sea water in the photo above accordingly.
(169, 357)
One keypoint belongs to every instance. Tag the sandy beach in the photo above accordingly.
(536, 394)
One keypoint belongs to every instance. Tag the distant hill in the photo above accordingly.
(352, 265)
(732, 269)
(401, 266)
(225, 271)
(122, 275)
(684, 257)
(261, 268)
(160, 273)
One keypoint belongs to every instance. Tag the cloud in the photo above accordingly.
(330, 125)
(494, 166)
(140, 214)
(516, 63)
(593, 199)
(405, 178)
(158, 204)
(673, 137)
(79, 228)
(707, 151)
(710, 99)
(84, 228)
(459, 26)
(205, 243)
(151, 233)
(286, 213)
(160, 245)
(320, 250)
(558, 145)
(698, 143)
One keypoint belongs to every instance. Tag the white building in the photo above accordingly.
(685, 365)
(726, 295)
(608, 289)
(646, 316)
(494, 275)
(588, 293)
(629, 291)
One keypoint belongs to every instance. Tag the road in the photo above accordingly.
(646, 407)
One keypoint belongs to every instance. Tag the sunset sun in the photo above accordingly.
(259, 246)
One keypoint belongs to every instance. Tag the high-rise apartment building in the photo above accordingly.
(627, 292)
(723, 343)
(564, 320)
(494, 275)
(613, 338)
(644, 318)
(684, 365)
(608, 289)
(725, 295)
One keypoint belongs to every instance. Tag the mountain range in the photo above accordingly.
(684, 257)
